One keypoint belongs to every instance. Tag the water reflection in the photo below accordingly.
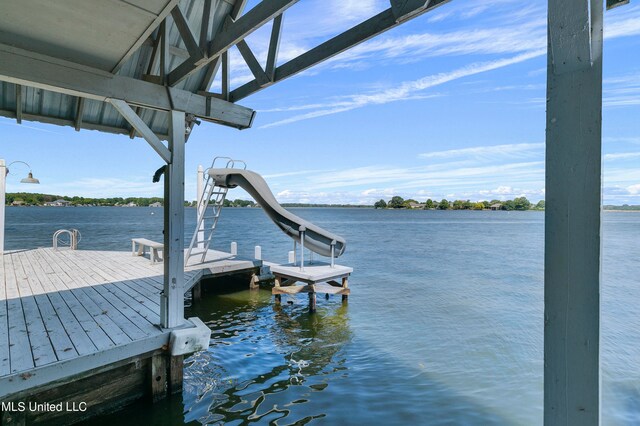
(265, 360)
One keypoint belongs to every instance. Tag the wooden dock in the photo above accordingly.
(69, 312)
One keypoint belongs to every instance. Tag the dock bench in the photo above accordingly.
(143, 243)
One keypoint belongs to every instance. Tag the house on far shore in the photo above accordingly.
(18, 203)
(131, 204)
(156, 204)
(414, 205)
(496, 206)
(58, 203)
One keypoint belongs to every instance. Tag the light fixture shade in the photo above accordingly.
(30, 179)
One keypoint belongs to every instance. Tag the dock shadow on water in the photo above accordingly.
(278, 364)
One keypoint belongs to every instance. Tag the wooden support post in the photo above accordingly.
(253, 283)
(572, 216)
(277, 284)
(345, 284)
(196, 293)
(158, 377)
(174, 224)
(3, 189)
(312, 302)
(176, 367)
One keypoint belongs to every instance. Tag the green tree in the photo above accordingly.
(458, 205)
(540, 205)
(396, 202)
(443, 205)
(429, 204)
(478, 206)
(382, 204)
(521, 203)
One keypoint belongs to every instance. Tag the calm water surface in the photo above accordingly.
(444, 325)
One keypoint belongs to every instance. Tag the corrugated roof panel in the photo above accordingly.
(94, 40)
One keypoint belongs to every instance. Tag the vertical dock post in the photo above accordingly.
(295, 253)
(174, 224)
(234, 248)
(345, 284)
(200, 205)
(3, 189)
(176, 367)
(333, 253)
(196, 292)
(572, 216)
(302, 232)
(312, 302)
(277, 284)
(257, 253)
(158, 377)
(292, 257)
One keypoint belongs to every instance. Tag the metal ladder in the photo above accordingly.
(210, 205)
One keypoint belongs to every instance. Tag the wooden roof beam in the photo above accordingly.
(360, 33)
(255, 18)
(19, 66)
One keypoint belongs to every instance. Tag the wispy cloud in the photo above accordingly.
(519, 150)
(408, 90)
(622, 156)
(524, 38)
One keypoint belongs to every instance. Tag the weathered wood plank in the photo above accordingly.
(89, 281)
(141, 289)
(81, 342)
(41, 347)
(103, 332)
(127, 305)
(158, 377)
(19, 346)
(5, 367)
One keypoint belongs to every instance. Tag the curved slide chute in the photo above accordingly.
(316, 239)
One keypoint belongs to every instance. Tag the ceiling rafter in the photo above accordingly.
(193, 47)
(236, 31)
(44, 72)
(252, 62)
(358, 34)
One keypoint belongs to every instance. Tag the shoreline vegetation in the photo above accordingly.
(518, 204)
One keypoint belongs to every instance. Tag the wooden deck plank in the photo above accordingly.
(89, 284)
(41, 346)
(76, 341)
(144, 287)
(5, 367)
(92, 300)
(57, 335)
(129, 306)
(87, 312)
(20, 356)
(126, 304)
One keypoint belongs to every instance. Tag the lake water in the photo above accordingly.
(444, 324)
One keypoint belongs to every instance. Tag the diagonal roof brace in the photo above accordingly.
(404, 10)
(27, 68)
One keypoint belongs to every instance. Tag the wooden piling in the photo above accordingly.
(312, 302)
(158, 377)
(176, 367)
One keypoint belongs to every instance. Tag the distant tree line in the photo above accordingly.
(31, 199)
(625, 207)
(519, 203)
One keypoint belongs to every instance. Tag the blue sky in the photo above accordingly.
(449, 105)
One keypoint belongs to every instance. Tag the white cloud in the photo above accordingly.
(509, 150)
(407, 90)
(622, 156)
